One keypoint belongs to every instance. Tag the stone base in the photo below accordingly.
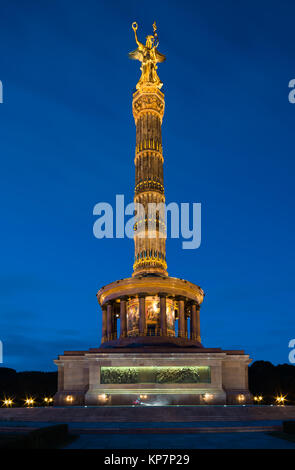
(154, 342)
(80, 381)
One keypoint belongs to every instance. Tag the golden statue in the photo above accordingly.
(149, 57)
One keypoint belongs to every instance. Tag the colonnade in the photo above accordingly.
(117, 309)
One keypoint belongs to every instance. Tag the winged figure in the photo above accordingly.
(149, 56)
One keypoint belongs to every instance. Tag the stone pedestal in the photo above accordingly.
(88, 379)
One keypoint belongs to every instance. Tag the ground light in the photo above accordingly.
(208, 397)
(48, 400)
(7, 402)
(29, 402)
(258, 398)
(241, 398)
(280, 400)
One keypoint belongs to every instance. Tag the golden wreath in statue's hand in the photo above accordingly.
(134, 26)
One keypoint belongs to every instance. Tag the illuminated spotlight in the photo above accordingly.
(241, 398)
(280, 399)
(258, 398)
(48, 400)
(7, 402)
(208, 396)
(102, 397)
(69, 398)
(29, 402)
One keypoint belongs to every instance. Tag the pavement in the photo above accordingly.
(162, 435)
(245, 440)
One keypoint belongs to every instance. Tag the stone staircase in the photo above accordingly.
(149, 414)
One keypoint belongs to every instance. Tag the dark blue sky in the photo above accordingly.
(67, 142)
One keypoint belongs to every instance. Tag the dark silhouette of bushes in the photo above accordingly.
(49, 437)
(19, 385)
(270, 381)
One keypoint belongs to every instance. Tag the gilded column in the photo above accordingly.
(148, 110)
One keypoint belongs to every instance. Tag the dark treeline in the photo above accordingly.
(264, 379)
(22, 385)
(269, 381)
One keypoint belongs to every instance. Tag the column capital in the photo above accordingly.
(142, 295)
(162, 294)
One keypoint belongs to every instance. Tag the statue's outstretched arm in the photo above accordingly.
(134, 27)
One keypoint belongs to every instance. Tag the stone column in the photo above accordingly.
(142, 319)
(104, 324)
(109, 321)
(198, 323)
(185, 322)
(194, 321)
(163, 317)
(123, 317)
(114, 322)
(181, 319)
(148, 110)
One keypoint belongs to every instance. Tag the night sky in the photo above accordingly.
(67, 142)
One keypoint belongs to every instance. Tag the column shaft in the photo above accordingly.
(109, 321)
(114, 322)
(194, 321)
(198, 324)
(104, 325)
(142, 322)
(163, 316)
(181, 319)
(123, 319)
